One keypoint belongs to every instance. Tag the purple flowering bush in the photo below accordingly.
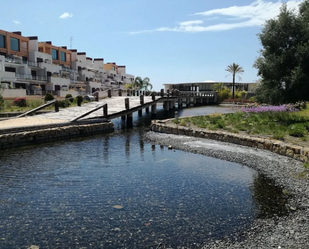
(280, 108)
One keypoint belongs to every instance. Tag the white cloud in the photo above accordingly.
(252, 15)
(16, 22)
(66, 15)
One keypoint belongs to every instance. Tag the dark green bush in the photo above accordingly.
(64, 103)
(48, 97)
(20, 102)
(69, 97)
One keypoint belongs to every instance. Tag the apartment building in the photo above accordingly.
(38, 67)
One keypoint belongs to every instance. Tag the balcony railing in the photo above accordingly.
(33, 64)
(39, 77)
(15, 60)
(30, 77)
(66, 69)
(23, 76)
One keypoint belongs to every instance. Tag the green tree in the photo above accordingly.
(218, 86)
(234, 69)
(222, 90)
(140, 83)
(283, 64)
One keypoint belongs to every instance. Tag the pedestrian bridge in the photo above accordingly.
(110, 107)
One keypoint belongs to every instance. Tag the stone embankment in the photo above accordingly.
(274, 231)
(293, 151)
(47, 134)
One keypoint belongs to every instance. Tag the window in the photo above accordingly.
(54, 54)
(2, 41)
(62, 56)
(14, 44)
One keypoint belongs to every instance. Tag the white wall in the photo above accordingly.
(59, 81)
(89, 63)
(14, 93)
(121, 70)
(98, 65)
(62, 93)
(33, 55)
(50, 67)
(33, 45)
(88, 74)
(81, 60)
(2, 59)
(93, 84)
(7, 76)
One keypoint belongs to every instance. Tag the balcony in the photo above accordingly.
(30, 77)
(33, 64)
(7, 76)
(39, 77)
(15, 60)
(23, 76)
(67, 69)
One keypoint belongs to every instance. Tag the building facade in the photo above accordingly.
(207, 86)
(40, 67)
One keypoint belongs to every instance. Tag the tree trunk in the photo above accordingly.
(233, 90)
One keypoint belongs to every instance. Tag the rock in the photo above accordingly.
(33, 247)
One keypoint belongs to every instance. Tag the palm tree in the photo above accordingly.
(234, 69)
(142, 83)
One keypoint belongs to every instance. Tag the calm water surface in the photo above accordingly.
(118, 191)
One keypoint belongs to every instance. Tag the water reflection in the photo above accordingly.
(62, 195)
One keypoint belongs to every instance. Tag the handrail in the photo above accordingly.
(36, 109)
(87, 113)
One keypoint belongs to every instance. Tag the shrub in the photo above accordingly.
(48, 97)
(223, 94)
(69, 97)
(64, 103)
(20, 102)
(297, 130)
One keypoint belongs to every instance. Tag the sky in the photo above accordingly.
(169, 41)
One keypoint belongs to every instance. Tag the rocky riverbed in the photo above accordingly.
(290, 231)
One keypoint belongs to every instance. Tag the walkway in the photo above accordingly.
(116, 105)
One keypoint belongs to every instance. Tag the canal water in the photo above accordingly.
(118, 191)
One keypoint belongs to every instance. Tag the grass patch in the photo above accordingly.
(277, 125)
(8, 105)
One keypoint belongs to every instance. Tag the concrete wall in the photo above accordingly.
(14, 93)
(50, 67)
(98, 64)
(14, 138)
(7, 76)
(93, 84)
(33, 55)
(285, 149)
(62, 93)
(59, 81)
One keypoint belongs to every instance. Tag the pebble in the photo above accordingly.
(291, 231)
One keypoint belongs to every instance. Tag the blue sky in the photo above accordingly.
(169, 41)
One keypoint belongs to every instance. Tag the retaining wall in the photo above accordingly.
(52, 134)
(294, 151)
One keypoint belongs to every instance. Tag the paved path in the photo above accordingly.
(115, 105)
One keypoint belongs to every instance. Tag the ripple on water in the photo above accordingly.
(118, 191)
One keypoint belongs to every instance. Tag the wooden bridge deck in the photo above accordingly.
(115, 108)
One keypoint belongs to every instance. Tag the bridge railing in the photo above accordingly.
(168, 93)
